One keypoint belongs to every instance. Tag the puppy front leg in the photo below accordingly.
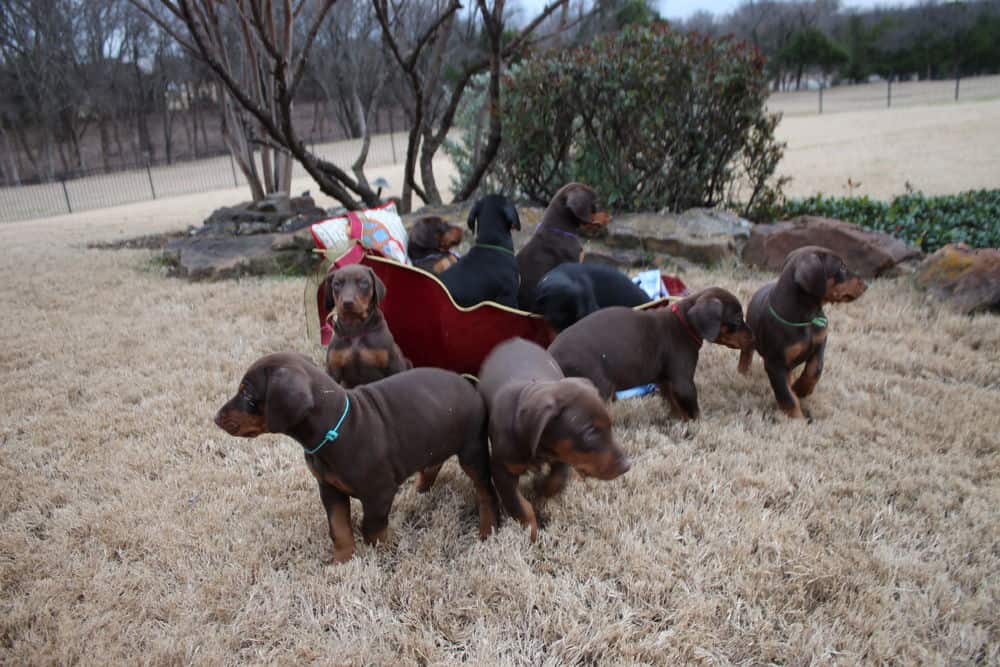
(811, 373)
(375, 524)
(555, 481)
(338, 517)
(787, 401)
(682, 397)
(510, 495)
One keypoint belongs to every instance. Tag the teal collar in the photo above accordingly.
(333, 434)
(495, 247)
(818, 321)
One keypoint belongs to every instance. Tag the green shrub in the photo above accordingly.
(650, 118)
(927, 222)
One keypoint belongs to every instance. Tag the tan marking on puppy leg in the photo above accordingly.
(342, 533)
(484, 499)
(746, 360)
(794, 411)
(794, 352)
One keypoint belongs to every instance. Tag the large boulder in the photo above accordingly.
(868, 254)
(276, 213)
(703, 236)
(966, 278)
(222, 257)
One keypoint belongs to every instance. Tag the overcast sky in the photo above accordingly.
(673, 9)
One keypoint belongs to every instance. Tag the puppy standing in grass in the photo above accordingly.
(362, 348)
(788, 323)
(364, 443)
(618, 348)
(537, 416)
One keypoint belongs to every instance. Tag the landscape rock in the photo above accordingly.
(868, 254)
(221, 257)
(966, 278)
(703, 236)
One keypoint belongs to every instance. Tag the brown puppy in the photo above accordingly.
(537, 415)
(353, 448)
(788, 324)
(430, 242)
(618, 348)
(362, 349)
(555, 241)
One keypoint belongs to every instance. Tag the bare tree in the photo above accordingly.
(422, 56)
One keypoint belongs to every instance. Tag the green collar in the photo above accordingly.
(818, 321)
(496, 247)
(332, 434)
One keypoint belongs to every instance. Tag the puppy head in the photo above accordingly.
(562, 302)
(821, 273)
(581, 205)
(274, 395)
(431, 233)
(353, 290)
(566, 420)
(492, 215)
(717, 316)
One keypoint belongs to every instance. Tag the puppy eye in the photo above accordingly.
(364, 284)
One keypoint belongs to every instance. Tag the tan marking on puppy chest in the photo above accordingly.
(339, 358)
(376, 358)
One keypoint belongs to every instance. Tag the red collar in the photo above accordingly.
(687, 327)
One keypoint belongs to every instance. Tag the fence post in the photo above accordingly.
(821, 98)
(957, 79)
(392, 138)
(69, 208)
(888, 99)
(232, 166)
(149, 174)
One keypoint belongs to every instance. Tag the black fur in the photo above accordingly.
(570, 292)
(487, 273)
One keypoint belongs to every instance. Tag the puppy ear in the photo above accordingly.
(474, 215)
(706, 318)
(510, 215)
(378, 287)
(329, 302)
(810, 275)
(579, 202)
(289, 398)
(534, 414)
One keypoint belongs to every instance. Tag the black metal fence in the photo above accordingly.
(100, 190)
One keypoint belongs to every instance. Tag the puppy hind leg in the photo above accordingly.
(475, 462)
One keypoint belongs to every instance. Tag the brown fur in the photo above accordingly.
(574, 208)
(370, 458)
(430, 242)
(618, 348)
(362, 349)
(810, 277)
(537, 416)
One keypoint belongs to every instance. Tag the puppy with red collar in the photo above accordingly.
(362, 349)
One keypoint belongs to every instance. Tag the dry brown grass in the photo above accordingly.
(135, 530)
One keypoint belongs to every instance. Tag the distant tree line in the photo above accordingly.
(930, 40)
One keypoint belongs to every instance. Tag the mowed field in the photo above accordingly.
(132, 530)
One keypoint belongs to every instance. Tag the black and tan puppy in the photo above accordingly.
(573, 208)
(570, 292)
(537, 416)
(363, 443)
(430, 242)
(488, 272)
(788, 323)
(619, 348)
(362, 348)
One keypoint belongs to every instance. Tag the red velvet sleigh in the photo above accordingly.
(432, 330)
